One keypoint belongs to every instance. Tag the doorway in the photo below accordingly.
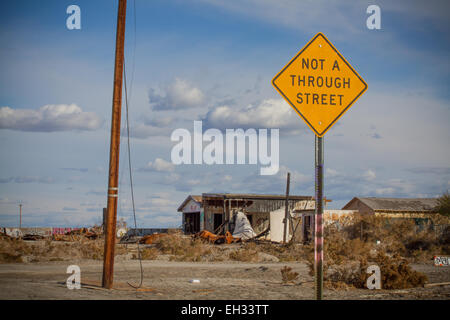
(218, 220)
(192, 222)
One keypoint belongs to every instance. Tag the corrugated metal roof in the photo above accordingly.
(400, 204)
(254, 196)
(244, 196)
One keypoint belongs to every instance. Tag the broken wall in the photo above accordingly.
(277, 226)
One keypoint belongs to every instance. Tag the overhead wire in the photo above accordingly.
(131, 184)
(128, 144)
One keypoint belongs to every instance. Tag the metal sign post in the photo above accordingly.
(320, 85)
(286, 209)
(318, 224)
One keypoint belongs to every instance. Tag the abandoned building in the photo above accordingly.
(303, 215)
(212, 211)
(418, 208)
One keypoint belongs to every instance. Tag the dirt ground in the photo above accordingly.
(171, 281)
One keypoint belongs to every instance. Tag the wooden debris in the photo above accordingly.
(436, 284)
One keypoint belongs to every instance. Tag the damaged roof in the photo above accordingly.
(240, 196)
(190, 197)
(254, 196)
(398, 204)
(197, 198)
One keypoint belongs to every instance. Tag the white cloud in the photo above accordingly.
(28, 179)
(369, 175)
(385, 191)
(187, 185)
(143, 131)
(410, 132)
(10, 201)
(159, 165)
(275, 184)
(178, 95)
(440, 171)
(173, 220)
(402, 186)
(100, 169)
(299, 15)
(161, 202)
(270, 113)
(331, 173)
(369, 184)
(48, 118)
(159, 121)
(329, 16)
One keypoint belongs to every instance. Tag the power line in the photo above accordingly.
(129, 148)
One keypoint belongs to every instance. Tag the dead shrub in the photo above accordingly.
(246, 253)
(284, 252)
(338, 250)
(184, 249)
(10, 258)
(344, 276)
(336, 285)
(172, 244)
(418, 242)
(346, 262)
(148, 254)
(395, 273)
(445, 239)
(287, 275)
(92, 249)
(196, 251)
(14, 250)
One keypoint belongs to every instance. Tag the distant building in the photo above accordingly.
(191, 209)
(394, 207)
(305, 212)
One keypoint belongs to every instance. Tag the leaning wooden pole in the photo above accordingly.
(111, 215)
(20, 219)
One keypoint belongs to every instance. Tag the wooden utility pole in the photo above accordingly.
(20, 214)
(286, 206)
(111, 216)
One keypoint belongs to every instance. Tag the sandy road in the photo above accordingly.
(170, 281)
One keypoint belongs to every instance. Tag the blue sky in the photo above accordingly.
(190, 59)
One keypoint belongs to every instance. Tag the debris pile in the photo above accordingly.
(56, 234)
(77, 234)
(242, 230)
(216, 239)
(151, 238)
(242, 227)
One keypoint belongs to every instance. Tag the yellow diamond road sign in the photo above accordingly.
(319, 84)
